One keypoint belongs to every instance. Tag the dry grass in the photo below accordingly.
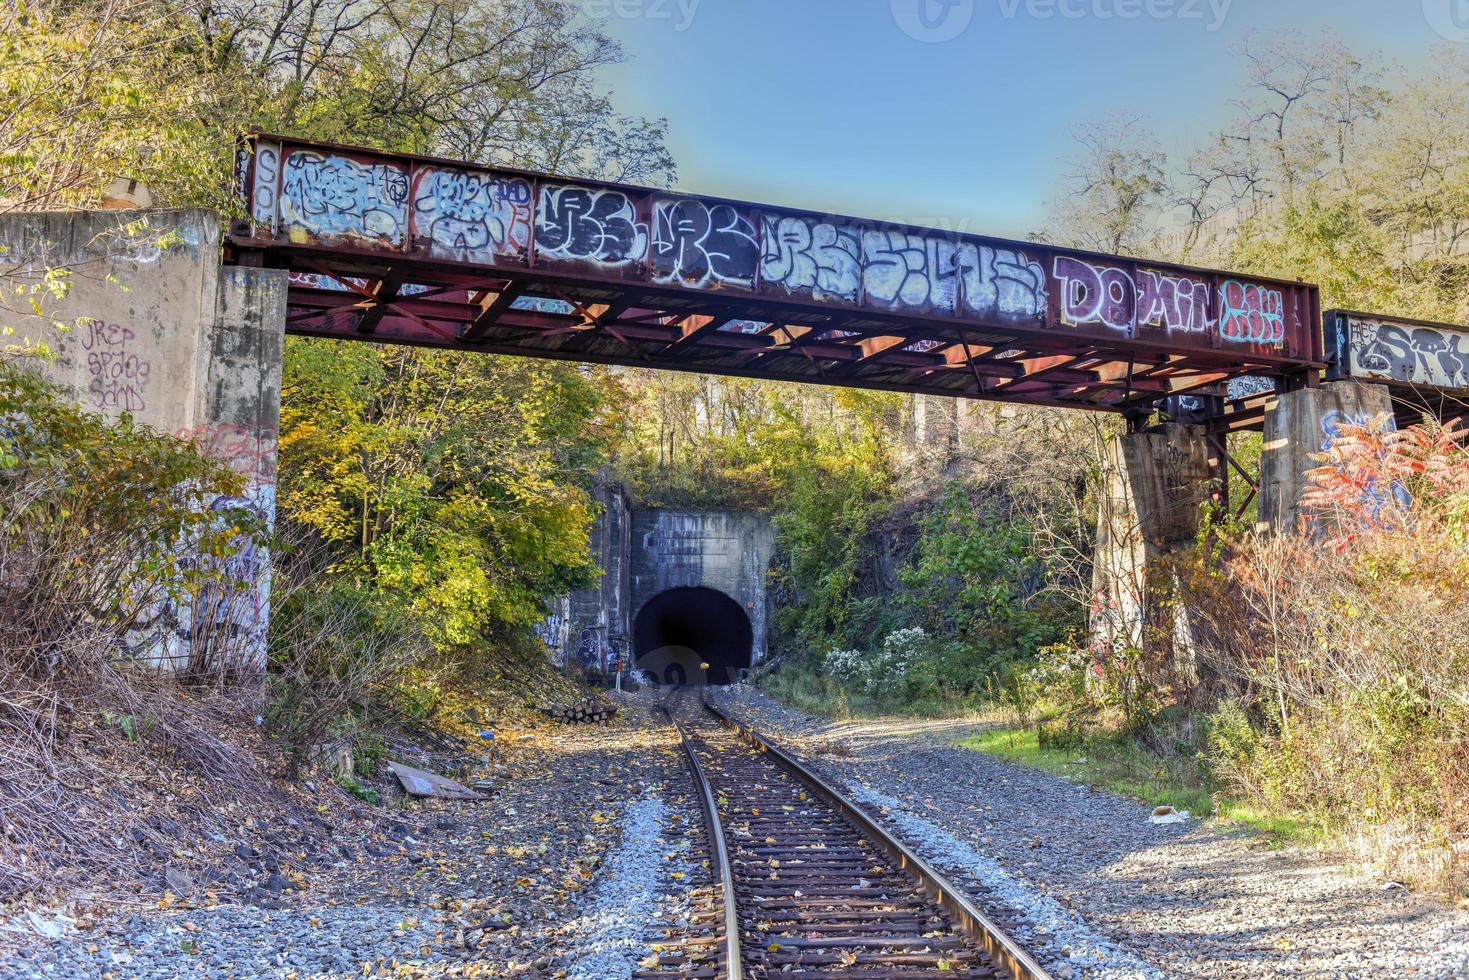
(1348, 649)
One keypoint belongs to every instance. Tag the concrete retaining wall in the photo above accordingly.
(149, 323)
(645, 552)
(725, 550)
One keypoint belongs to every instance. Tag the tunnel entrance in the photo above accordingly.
(680, 631)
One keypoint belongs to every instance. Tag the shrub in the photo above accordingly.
(107, 539)
(889, 669)
(847, 666)
(1347, 653)
(107, 543)
(331, 647)
(364, 793)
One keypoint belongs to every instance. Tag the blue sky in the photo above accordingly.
(831, 105)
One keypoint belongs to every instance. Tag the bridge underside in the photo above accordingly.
(412, 250)
(626, 325)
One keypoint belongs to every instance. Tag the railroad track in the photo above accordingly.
(818, 889)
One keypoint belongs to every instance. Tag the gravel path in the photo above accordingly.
(1193, 900)
(585, 817)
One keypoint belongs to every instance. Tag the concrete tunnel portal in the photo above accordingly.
(679, 630)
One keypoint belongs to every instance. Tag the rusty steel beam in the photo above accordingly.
(393, 247)
(383, 295)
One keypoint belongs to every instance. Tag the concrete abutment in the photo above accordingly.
(1154, 485)
(148, 322)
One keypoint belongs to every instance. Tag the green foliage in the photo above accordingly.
(1119, 763)
(973, 578)
(805, 686)
(449, 484)
(133, 727)
(93, 92)
(364, 793)
(157, 91)
(368, 750)
(102, 523)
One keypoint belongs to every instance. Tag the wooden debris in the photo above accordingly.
(587, 711)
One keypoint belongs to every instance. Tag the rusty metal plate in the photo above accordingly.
(328, 197)
(472, 216)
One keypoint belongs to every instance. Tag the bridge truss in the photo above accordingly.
(402, 249)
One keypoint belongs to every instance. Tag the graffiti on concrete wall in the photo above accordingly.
(472, 217)
(231, 613)
(245, 449)
(700, 245)
(119, 375)
(329, 195)
(1374, 497)
(590, 225)
(1418, 354)
(227, 621)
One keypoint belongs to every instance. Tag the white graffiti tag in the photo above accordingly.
(470, 216)
(583, 223)
(1001, 282)
(696, 244)
(812, 258)
(903, 271)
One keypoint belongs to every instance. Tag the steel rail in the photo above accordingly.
(734, 962)
(1001, 948)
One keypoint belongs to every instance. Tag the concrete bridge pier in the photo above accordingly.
(150, 324)
(1299, 424)
(1154, 486)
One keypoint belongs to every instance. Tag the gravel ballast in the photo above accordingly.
(523, 884)
(1187, 900)
(1062, 939)
(612, 929)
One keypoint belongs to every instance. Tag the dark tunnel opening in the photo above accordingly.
(680, 630)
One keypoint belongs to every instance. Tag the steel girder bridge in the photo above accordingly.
(405, 249)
